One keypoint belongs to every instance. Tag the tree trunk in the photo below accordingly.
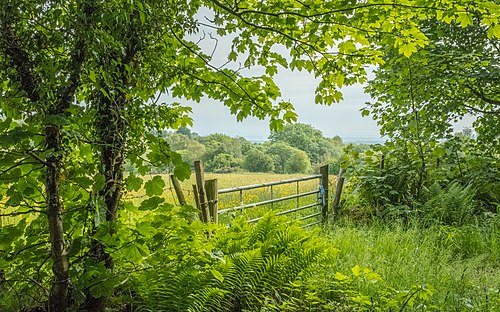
(111, 131)
(59, 293)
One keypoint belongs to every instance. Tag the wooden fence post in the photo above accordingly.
(178, 190)
(338, 192)
(202, 194)
(197, 201)
(213, 205)
(324, 183)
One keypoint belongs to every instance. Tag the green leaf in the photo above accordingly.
(14, 136)
(182, 170)
(83, 181)
(356, 270)
(133, 252)
(146, 229)
(464, 19)
(218, 275)
(494, 31)
(133, 183)
(340, 277)
(151, 203)
(154, 186)
(438, 151)
(104, 287)
(100, 210)
(57, 120)
(99, 182)
(407, 49)
(142, 16)
(271, 70)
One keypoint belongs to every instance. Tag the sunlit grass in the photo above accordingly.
(235, 199)
(461, 264)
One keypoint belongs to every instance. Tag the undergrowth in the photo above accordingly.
(270, 266)
(461, 264)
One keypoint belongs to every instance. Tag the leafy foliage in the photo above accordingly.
(257, 161)
(454, 206)
(268, 267)
(452, 188)
(452, 77)
(306, 138)
(223, 154)
(245, 267)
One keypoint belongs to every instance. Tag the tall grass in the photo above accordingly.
(461, 264)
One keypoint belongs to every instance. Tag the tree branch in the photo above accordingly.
(281, 33)
(217, 70)
(19, 58)
(235, 10)
(481, 110)
(12, 214)
(480, 94)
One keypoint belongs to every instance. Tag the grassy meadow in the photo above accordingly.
(229, 200)
(460, 265)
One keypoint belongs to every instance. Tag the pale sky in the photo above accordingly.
(343, 119)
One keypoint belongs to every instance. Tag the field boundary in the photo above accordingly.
(206, 195)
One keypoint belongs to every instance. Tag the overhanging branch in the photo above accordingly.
(19, 58)
(480, 94)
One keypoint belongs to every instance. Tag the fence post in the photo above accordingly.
(197, 201)
(178, 190)
(202, 194)
(338, 192)
(324, 183)
(213, 205)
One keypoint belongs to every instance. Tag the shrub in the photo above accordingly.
(257, 161)
(454, 205)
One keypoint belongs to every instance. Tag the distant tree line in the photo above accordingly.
(298, 148)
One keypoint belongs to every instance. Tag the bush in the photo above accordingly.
(257, 161)
(223, 163)
(297, 163)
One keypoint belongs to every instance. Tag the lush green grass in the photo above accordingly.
(461, 264)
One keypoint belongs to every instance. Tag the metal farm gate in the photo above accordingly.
(207, 197)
